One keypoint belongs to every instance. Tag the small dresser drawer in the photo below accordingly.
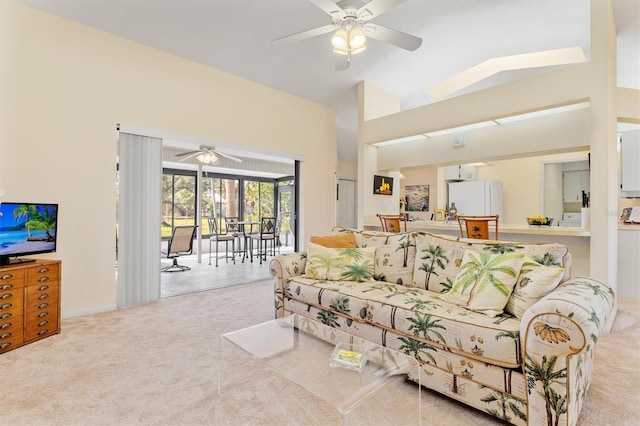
(11, 326)
(11, 279)
(41, 327)
(41, 296)
(43, 273)
(13, 296)
(12, 307)
(10, 340)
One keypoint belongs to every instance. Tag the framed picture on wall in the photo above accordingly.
(438, 214)
(417, 198)
(382, 185)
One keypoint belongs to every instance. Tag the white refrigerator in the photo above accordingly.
(477, 197)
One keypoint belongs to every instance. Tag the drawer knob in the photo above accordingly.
(43, 288)
(43, 296)
(43, 270)
(5, 315)
(43, 314)
(5, 345)
(41, 323)
(43, 305)
(6, 296)
(41, 332)
(5, 325)
(5, 335)
(43, 279)
(6, 276)
(6, 287)
(6, 306)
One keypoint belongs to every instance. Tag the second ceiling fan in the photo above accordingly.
(351, 27)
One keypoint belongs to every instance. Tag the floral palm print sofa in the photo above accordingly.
(499, 326)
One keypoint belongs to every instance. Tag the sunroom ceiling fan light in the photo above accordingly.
(207, 157)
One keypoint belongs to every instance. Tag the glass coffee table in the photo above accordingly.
(300, 349)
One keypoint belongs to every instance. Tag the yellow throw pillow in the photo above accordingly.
(340, 264)
(535, 282)
(485, 281)
(347, 240)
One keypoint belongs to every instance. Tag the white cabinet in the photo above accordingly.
(629, 161)
(573, 183)
(460, 172)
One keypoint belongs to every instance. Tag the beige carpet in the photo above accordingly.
(156, 364)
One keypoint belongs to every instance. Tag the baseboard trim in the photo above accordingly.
(83, 312)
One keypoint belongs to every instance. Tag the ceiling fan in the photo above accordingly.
(350, 21)
(206, 155)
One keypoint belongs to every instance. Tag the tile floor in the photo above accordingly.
(203, 276)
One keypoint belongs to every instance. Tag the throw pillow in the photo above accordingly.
(485, 281)
(345, 264)
(335, 241)
(535, 282)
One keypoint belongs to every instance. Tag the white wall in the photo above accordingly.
(65, 87)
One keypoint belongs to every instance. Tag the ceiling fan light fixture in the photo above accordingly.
(207, 157)
(339, 41)
(357, 40)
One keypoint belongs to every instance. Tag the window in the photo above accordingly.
(220, 199)
(178, 200)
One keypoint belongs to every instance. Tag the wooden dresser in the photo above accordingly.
(29, 302)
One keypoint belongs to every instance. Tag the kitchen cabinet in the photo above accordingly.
(629, 160)
(573, 183)
(460, 172)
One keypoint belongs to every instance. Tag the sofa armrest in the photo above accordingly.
(283, 267)
(558, 336)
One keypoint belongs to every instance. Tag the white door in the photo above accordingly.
(347, 203)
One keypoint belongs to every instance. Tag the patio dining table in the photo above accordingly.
(243, 226)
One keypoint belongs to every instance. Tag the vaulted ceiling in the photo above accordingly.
(236, 36)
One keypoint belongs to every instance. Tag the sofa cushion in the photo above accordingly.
(438, 257)
(351, 264)
(535, 282)
(414, 312)
(345, 240)
(395, 264)
(485, 281)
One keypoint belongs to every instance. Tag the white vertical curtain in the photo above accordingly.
(139, 213)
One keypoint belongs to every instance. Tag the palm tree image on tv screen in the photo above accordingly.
(27, 228)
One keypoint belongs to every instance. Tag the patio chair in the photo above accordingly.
(217, 237)
(267, 233)
(180, 244)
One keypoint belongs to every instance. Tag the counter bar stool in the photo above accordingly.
(477, 227)
(391, 222)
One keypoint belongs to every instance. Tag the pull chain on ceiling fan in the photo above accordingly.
(350, 21)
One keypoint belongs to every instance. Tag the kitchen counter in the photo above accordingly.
(451, 228)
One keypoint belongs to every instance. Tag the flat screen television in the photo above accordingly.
(25, 229)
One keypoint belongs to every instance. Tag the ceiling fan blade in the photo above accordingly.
(230, 157)
(182, 154)
(342, 62)
(191, 155)
(330, 8)
(304, 35)
(376, 7)
(391, 36)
